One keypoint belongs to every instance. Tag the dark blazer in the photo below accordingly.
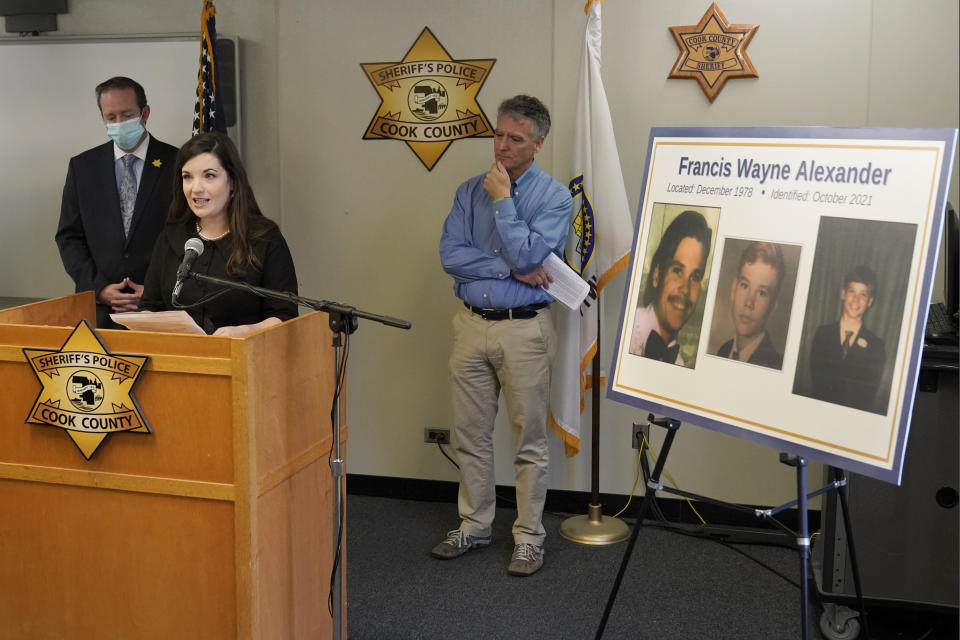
(853, 381)
(90, 236)
(765, 355)
(233, 307)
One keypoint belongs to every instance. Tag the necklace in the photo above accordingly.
(200, 233)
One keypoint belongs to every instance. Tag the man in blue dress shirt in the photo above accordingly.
(502, 227)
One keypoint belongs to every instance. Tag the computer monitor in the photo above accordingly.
(951, 259)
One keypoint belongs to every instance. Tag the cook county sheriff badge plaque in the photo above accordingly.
(713, 51)
(428, 99)
(86, 391)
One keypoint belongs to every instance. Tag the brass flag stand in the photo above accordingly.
(595, 528)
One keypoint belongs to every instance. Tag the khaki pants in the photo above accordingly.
(512, 356)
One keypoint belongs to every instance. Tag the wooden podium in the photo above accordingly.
(218, 524)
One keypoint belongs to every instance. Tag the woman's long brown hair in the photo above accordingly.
(246, 222)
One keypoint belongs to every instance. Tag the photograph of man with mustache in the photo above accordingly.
(674, 285)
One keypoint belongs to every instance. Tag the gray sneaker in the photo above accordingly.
(458, 543)
(527, 560)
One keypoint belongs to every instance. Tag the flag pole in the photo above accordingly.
(594, 528)
(597, 247)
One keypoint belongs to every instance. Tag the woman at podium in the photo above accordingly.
(213, 201)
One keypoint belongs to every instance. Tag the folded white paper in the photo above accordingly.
(567, 287)
(164, 321)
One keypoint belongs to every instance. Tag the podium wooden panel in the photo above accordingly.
(219, 524)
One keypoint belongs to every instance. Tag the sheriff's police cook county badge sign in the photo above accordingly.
(86, 391)
(428, 99)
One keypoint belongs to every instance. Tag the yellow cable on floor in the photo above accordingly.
(637, 478)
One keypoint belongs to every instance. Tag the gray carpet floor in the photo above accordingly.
(675, 586)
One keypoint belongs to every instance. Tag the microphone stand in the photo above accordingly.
(343, 319)
(334, 309)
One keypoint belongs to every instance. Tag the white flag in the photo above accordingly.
(598, 243)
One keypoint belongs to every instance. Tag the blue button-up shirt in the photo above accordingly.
(483, 241)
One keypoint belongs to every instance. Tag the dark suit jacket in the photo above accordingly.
(853, 381)
(765, 355)
(90, 236)
(276, 272)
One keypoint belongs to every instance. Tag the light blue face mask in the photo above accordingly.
(127, 133)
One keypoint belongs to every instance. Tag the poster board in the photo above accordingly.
(757, 251)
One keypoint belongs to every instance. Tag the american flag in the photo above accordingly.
(206, 113)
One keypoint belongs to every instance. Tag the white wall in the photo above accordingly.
(363, 217)
(33, 158)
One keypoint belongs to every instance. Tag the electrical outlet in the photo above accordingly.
(641, 431)
(441, 436)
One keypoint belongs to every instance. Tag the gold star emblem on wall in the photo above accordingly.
(713, 51)
(428, 99)
(86, 391)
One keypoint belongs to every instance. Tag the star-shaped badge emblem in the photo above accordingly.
(87, 391)
(428, 99)
(157, 163)
(713, 51)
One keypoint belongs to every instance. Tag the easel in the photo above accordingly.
(838, 482)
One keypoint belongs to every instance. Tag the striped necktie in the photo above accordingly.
(847, 343)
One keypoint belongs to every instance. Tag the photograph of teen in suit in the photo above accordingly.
(852, 323)
(751, 312)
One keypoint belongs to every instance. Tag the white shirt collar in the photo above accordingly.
(140, 151)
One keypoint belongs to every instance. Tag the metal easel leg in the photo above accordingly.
(652, 486)
(803, 539)
(841, 483)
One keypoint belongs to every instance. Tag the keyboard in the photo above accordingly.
(941, 327)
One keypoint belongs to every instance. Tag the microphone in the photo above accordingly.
(191, 251)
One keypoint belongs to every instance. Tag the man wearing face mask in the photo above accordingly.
(115, 202)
